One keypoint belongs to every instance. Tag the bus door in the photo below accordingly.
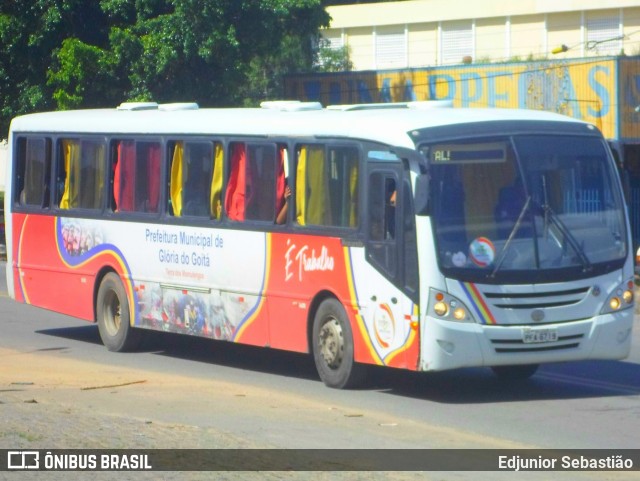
(389, 292)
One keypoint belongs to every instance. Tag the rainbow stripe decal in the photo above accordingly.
(255, 311)
(478, 303)
(23, 289)
(364, 333)
(408, 341)
(73, 260)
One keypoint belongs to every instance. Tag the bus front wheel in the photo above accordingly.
(333, 351)
(114, 318)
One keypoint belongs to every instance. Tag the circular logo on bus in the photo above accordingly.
(482, 252)
(537, 315)
(384, 325)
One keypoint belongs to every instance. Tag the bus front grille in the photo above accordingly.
(536, 300)
(506, 346)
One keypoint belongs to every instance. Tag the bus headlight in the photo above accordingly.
(627, 296)
(459, 314)
(621, 298)
(441, 308)
(614, 303)
(448, 307)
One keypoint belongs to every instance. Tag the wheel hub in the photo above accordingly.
(331, 343)
(113, 313)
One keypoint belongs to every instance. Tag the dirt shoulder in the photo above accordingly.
(49, 400)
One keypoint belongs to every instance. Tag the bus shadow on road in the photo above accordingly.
(190, 348)
(232, 355)
(86, 333)
(574, 380)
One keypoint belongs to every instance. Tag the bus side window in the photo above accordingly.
(382, 220)
(252, 186)
(34, 164)
(343, 186)
(283, 189)
(175, 151)
(124, 175)
(81, 174)
(327, 186)
(136, 176)
(311, 187)
(263, 170)
(236, 194)
(215, 199)
(197, 173)
(192, 181)
(61, 179)
(409, 241)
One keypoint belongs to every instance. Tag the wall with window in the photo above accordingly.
(422, 33)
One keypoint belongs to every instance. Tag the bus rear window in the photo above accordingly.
(33, 167)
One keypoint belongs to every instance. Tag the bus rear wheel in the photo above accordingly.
(515, 373)
(333, 351)
(114, 316)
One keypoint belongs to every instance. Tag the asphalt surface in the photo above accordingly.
(60, 388)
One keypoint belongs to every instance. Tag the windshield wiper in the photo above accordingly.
(512, 234)
(550, 215)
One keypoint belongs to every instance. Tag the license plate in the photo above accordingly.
(530, 336)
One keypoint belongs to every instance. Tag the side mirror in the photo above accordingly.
(421, 195)
(421, 192)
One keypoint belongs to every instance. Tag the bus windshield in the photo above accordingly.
(526, 208)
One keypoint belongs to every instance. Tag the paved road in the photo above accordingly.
(59, 387)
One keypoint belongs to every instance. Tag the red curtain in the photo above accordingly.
(236, 197)
(124, 177)
(153, 177)
(280, 179)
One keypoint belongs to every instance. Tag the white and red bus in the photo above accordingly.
(398, 235)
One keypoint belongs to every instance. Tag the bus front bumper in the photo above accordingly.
(451, 345)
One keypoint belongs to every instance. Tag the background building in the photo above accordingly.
(421, 33)
(572, 57)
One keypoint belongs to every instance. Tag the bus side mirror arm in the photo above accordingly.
(421, 191)
(421, 196)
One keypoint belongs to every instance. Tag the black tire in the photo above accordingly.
(114, 316)
(333, 347)
(515, 373)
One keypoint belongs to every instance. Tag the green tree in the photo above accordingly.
(329, 59)
(30, 30)
(224, 52)
(75, 54)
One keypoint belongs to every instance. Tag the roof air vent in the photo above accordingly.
(179, 106)
(138, 106)
(290, 105)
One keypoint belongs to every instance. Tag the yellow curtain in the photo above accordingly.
(301, 186)
(71, 152)
(99, 180)
(177, 173)
(318, 190)
(216, 182)
(353, 190)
